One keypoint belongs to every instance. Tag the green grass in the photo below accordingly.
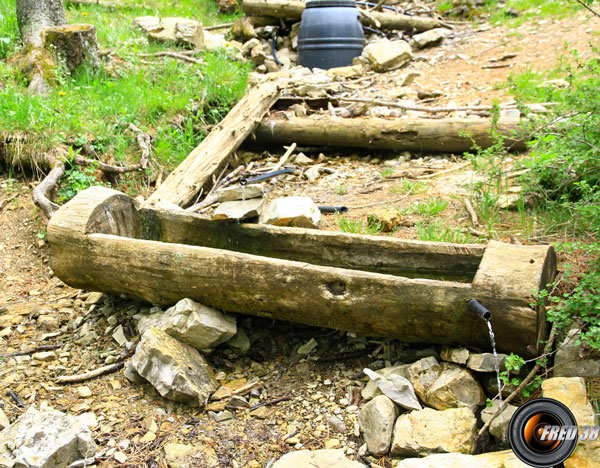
(531, 9)
(173, 101)
(430, 207)
(409, 186)
(356, 226)
(437, 231)
(341, 189)
(9, 29)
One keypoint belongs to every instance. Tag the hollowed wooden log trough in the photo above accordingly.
(375, 286)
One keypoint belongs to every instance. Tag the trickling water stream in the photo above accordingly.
(496, 361)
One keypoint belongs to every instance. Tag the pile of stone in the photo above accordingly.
(431, 407)
(246, 202)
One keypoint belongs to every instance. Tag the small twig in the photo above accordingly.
(587, 7)
(446, 171)
(34, 350)
(90, 374)
(16, 398)
(208, 201)
(174, 55)
(6, 201)
(218, 26)
(497, 65)
(471, 212)
(270, 403)
(106, 168)
(524, 383)
(285, 157)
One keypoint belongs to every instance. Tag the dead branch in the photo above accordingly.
(6, 201)
(587, 7)
(218, 26)
(90, 374)
(446, 171)
(285, 157)
(41, 192)
(471, 212)
(270, 403)
(174, 55)
(525, 381)
(106, 168)
(412, 107)
(144, 142)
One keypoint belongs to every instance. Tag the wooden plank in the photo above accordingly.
(412, 134)
(196, 171)
(292, 10)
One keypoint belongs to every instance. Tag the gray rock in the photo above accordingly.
(239, 192)
(248, 46)
(486, 362)
(456, 355)
(238, 402)
(119, 336)
(454, 388)
(291, 211)
(179, 31)
(397, 388)
(312, 173)
(408, 78)
(45, 439)
(337, 425)
(490, 385)
(371, 390)
(422, 374)
(413, 354)
(376, 422)
(132, 375)
(239, 210)
(569, 363)
(499, 426)
(301, 159)
(385, 55)
(332, 458)
(197, 325)
(146, 23)
(176, 370)
(429, 38)
(428, 431)
(240, 342)
(447, 460)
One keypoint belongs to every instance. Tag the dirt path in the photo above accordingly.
(36, 309)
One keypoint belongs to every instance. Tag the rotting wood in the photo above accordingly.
(208, 158)
(292, 10)
(412, 134)
(298, 275)
(471, 212)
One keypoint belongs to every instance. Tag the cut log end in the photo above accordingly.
(74, 45)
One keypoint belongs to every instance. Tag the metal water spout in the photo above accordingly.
(478, 308)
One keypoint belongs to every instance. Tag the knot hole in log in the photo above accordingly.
(337, 288)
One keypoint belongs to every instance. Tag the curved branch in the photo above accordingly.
(41, 192)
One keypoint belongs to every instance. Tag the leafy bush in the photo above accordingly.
(9, 29)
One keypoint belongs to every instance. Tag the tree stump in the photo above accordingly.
(73, 45)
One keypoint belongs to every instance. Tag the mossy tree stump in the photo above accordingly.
(73, 45)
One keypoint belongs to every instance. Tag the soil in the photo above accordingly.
(316, 387)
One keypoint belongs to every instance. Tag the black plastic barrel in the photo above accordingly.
(330, 34)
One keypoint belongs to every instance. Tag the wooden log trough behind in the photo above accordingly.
(103, 241)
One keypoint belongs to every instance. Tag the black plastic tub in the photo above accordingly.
(330, 34)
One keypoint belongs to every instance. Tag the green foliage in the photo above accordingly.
(387, 173)
(356, 226)
(530, 9)
(9, 29)
(436, 231)
(430, 207)
(565, 159)
(75, 180)
(580, 306)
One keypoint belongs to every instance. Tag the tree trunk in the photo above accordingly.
(36, 15)
(450, 135)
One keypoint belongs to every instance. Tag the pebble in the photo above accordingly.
(44, 356)
(332, 443)
(120, 457)
(84, 392)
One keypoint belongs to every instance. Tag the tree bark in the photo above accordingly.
(36, 15)
(413, 134)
